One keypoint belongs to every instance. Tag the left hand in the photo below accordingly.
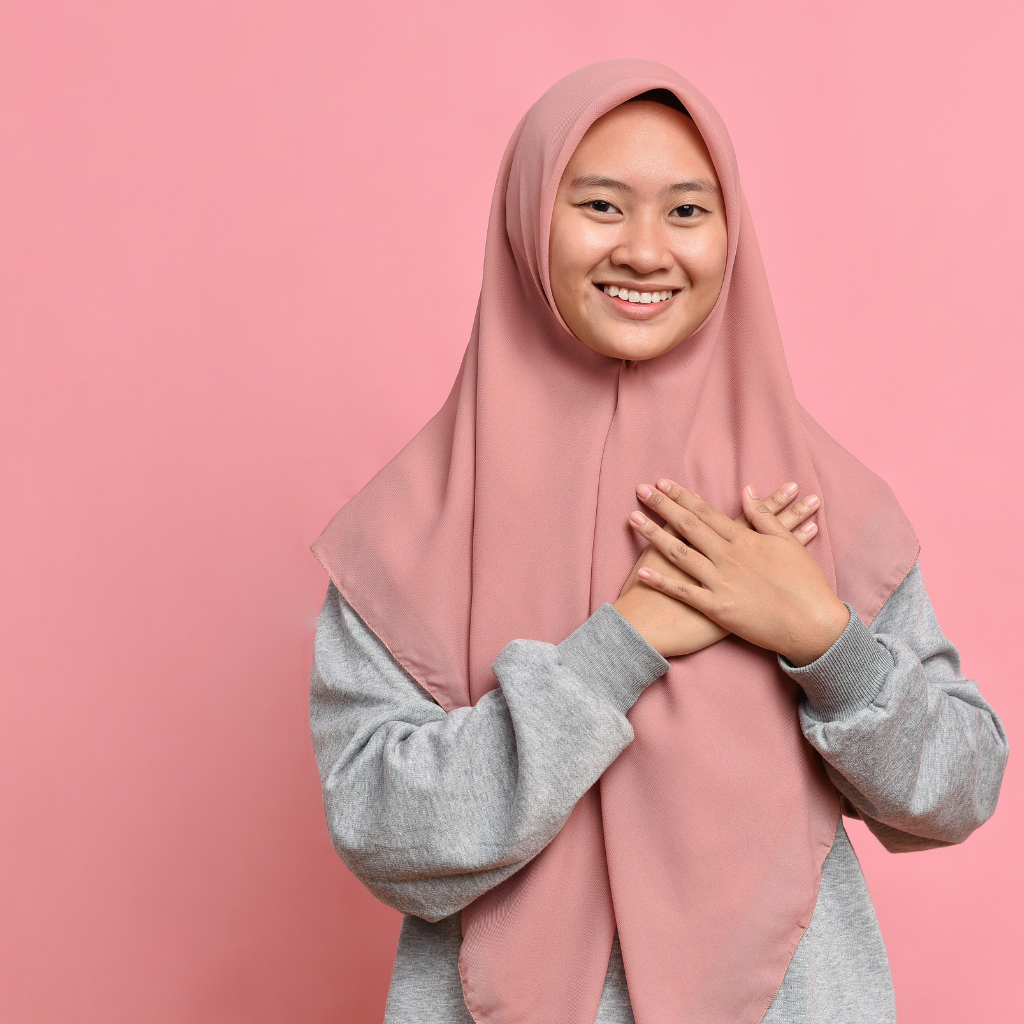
(760, 584)
(673, 628)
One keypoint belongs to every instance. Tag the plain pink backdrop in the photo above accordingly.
(240, 250)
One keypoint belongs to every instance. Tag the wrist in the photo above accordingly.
(632, 611)
(809, 644)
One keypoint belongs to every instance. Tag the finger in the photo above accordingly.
(759, 515)
(683, 522)
(779, 499)
(776, 503)
(793, 516)
(682, 590)
(680, 554)
(686, 510)
(806, 533)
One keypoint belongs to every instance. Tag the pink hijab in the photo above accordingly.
(506, 517)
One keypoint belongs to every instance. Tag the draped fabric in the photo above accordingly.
(506, 517)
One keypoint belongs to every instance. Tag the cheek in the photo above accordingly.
(574, 254)
(561, 269)
(567, 270)
(703, 257)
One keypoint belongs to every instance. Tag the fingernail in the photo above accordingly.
(644, 574)
(809, 528)
(644, 491)
(811, 500)
(750, 492)
(665, 485)
(789, 489)
(637, 518)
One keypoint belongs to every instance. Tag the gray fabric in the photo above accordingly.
(912, 745)
(839, 973)
(430, 810)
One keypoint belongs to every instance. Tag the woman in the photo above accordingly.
(499, 605)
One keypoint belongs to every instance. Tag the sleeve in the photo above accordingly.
(911, 745)
(431, 809)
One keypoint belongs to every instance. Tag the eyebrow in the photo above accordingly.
(597, 181)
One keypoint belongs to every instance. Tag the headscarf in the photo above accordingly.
(506, 517)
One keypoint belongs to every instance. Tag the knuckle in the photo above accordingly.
(678, 552)
(702, 510)
(677, 587)
(688, 521)
(657, 499)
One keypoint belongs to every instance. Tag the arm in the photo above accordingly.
(430, 810)
(906, 739)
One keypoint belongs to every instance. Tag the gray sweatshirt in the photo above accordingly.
(431, 809)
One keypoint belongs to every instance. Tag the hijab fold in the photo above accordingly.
(506, 517)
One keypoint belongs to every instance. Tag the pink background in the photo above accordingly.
(240, 247)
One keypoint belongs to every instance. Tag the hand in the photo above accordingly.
(761, 585)
(672, 627)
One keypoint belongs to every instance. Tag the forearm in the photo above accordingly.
(429, 816)
(430, 809)
(910, 742)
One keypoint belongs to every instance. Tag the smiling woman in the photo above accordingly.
(639, 238)
(600, 757)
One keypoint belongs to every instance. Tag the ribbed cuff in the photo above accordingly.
(610, 655)
(848, 676)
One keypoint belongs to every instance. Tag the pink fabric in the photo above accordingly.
(505, 517)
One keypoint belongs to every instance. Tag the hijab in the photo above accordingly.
(506, 517)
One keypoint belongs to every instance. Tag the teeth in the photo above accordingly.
(645, 297)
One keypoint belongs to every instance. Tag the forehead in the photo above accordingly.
(645, 140)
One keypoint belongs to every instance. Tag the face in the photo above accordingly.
(638, 233)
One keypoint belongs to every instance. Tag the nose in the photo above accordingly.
(643, 246)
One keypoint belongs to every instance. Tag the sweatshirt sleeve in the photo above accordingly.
(431, 809)
(911, 745)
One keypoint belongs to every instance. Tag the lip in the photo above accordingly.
(636, 310)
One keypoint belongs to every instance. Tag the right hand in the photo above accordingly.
(673, 628)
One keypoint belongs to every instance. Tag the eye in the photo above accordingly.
(600, 206)
(687, 210)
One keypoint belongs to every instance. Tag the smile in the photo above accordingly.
(628, 295)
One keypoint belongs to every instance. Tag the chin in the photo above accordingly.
(634, 348)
